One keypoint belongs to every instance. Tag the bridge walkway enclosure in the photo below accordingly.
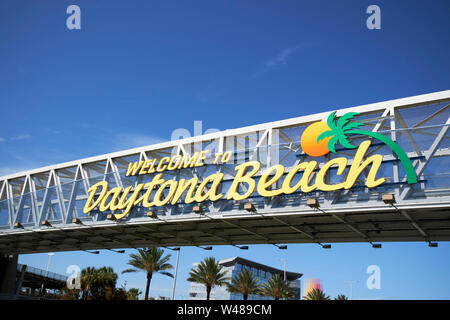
(43, 210)
(37, 279)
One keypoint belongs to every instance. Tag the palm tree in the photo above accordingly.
(210, 273)
(133, 294)
(150, 261)
(277, 288)
(88, 279)
(245, 283)
(105, 284)
(341, 128)
(316, 294)
(341, 297)
(98, 284)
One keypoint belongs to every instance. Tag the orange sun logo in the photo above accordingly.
(309, 137)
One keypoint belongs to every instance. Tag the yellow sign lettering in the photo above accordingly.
(263, 184)
(304, 176)
(357, 167)
(242, 177)
(89, 206)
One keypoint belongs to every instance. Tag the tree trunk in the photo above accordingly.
(245, 296)
(402, 156)
(208, 292)
(108, 293)
(85, 293)
(147, 288)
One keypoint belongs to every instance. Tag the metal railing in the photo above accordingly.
(9, 296)
(42, 273)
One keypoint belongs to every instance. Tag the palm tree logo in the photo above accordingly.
(320, 138)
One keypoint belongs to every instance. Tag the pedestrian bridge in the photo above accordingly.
(257, 184)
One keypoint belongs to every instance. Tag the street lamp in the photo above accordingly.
(176, 271)
(50, 255)
(313, 203)
(351, 282)
(240, 247)
(284, 268)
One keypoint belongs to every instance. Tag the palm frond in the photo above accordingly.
(332, 143)
(165, 266)
(330, 120)
(353, 125)
(325, 134)
(343, 140)
(166, 274)
(342, 121)
(129, 270)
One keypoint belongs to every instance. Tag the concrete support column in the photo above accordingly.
(21, 276)
(8, 270)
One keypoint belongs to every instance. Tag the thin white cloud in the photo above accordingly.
(18, 137)
(4, 171)
(21, 137)
(279, 60)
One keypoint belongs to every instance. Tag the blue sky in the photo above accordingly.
(137, 70)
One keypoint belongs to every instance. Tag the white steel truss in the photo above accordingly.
(419, 124)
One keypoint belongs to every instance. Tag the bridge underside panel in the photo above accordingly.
(38, 207)
(389, 225)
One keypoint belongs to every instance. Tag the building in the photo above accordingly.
(233, 266)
